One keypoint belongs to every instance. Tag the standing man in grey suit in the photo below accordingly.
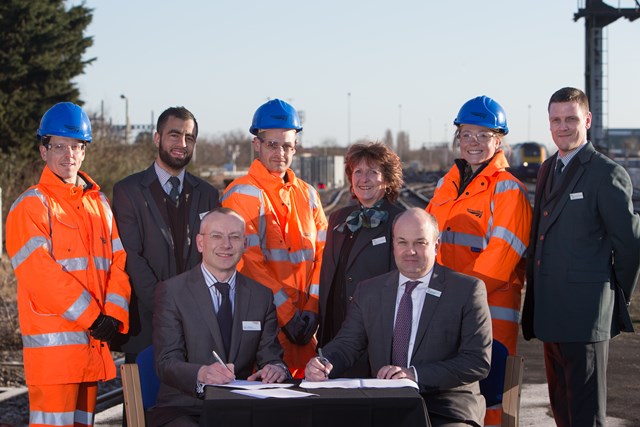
(423, 322)
(158, 214)
(189, 323)
(582, 263)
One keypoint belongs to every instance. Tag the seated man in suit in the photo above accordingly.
(212, 308)
(424, 322)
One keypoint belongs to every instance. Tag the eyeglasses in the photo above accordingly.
(480, 136)
(276, 146)
(63, 148)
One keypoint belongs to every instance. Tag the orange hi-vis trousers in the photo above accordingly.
(62, 404)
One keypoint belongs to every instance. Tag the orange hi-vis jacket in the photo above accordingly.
(67, 256)
(284, 257)
(484, 233)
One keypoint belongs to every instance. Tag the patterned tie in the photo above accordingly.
(174, 194)
(224, 315)
(402, 329)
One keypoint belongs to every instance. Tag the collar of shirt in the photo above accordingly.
(216, 297)
(163, 177)
(570, 155)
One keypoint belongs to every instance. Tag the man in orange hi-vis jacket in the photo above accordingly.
(286, 229)
(73, 292)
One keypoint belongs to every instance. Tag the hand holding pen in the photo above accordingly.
(318, 368)
(216, 373)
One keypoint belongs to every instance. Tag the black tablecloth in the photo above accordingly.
(332, 408)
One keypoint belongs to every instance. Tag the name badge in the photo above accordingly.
(576, 196)
(436, 293)
(249, 325)
(202, 214)
(379, 241)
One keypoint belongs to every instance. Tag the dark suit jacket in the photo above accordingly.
(366, 260)
(147, 239)
(452, 351)
(185, 332)
(584, 238)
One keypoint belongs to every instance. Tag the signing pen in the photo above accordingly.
(219, 360)
(323, 360)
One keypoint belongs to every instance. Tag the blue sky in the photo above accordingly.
(408, 64)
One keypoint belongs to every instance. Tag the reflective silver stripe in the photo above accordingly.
(503, 313)
(78, 307)
(116, 245)
(509, 237)
(322, 235)
(253, 240)
(313, 198)
(280, 298)
(28, 248)
(74, 264)
(102, 263)
(314, 290)
(51, 418)
(509, 185)
(118, 300)
(83, 417)
(107, 211)
(295, 257)
(54, 339)
(246, 189)
(463, 239)
(34, 192)
(439, 184)
(253, 191)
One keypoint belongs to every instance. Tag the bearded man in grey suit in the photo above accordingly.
(582, 263)
(423, 322)
(189, 325)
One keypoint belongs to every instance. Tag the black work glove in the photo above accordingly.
(104, 327)
(311, 320)
(295, 329)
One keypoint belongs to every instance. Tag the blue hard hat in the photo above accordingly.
(65, 119)
(275, 114)
(483, 111)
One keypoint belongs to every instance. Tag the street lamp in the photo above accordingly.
(127, 127)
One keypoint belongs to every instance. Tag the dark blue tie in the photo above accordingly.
(402, 328)
(174, 194)
(224, 315)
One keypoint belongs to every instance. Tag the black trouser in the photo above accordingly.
(577, 377)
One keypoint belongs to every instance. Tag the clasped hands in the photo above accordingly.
(319, 368)
(300, 329)
(217, 373)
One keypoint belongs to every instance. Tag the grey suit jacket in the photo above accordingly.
(366, 259)
(452, 351)
(585, 241)
(186, 331)
(147, 239)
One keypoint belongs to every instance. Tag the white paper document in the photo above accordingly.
(359, 383)
(251, 385)
(274, 392)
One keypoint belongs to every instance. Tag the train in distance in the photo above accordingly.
(525, 159)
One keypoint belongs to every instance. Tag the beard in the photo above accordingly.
(172, 162)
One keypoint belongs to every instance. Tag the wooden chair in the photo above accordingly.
(132, 395)
(512, 388)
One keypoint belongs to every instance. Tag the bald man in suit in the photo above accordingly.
(448, 349)
(187, 325)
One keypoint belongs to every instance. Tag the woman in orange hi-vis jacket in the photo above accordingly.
(73, 292)
(484, 217)
(286, 230)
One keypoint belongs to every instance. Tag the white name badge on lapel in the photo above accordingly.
(436, 293)
(576, 196)
(379, 241)
(249, 325)
(202, 214)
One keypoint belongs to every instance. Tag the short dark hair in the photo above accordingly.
(180, 113)
(379, 154)
(570, 94)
